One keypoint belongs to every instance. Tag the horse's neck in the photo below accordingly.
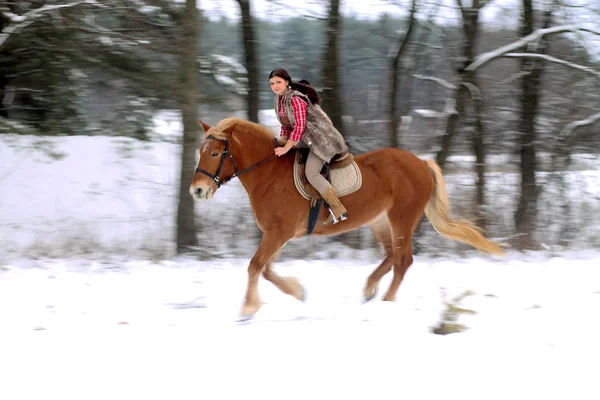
(259, 175)
(252, 155)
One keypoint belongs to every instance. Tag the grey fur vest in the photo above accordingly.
(319, 135)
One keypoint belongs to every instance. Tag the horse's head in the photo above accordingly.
(216, 164)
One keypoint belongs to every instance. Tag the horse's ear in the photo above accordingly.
(204, 126)
(229, 129)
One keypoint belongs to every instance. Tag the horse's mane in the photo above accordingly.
(258, 131)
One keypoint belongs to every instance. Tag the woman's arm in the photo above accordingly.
(279, 151)
(299, 109)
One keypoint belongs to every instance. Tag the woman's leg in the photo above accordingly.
(314, 165)
(313, 174)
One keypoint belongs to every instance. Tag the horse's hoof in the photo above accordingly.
(245, 318)
(368, 298)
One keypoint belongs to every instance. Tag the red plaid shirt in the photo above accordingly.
(299, 110)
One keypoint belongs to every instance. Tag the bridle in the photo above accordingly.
(215, 177)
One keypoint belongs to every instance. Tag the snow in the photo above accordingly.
(94, 188)
(227, 80)
(231, 62)
(146, 9)
(105, 40)
(14, 17)
(139, 329)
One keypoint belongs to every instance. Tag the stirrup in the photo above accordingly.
(334, 220)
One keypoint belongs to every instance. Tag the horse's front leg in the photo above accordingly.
(270, 244)
(287, 284)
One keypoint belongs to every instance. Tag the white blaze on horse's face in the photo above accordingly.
(203, 187)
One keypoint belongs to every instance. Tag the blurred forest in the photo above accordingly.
(527, 96)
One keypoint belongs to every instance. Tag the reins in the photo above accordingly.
(215, 177)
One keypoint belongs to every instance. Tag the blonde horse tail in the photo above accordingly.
(437, 211)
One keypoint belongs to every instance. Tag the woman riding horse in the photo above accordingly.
(397, 187)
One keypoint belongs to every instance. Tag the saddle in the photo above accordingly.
(342, 172)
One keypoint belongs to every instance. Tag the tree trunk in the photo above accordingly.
(479, 150)
(459, 106)
(469, 88)
(396, 77)
(251, 55)
(186, 227)
(330, 94)
(3, 79)
(526, 212)
(470, 25)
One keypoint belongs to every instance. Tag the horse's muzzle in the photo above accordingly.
(200, 193)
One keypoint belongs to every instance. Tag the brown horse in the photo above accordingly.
(397, 188)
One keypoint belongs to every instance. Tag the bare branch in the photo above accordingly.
(462, 9)
(546, 57)
(19, 22)
(291, 7)
(435, 79)
(535, 36)
(514, 77)
(428, 45)
(473, 89)
(568, 130)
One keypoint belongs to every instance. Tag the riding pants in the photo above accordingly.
(313, 173)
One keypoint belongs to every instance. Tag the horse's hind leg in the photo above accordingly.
(286, 284)
(402, 230)
(381, 230)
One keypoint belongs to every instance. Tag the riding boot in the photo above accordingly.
(336, 208)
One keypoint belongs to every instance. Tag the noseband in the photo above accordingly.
(215, 177)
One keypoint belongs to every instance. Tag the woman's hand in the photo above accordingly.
(279, 151)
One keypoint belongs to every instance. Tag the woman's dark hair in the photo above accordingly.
(303, 86)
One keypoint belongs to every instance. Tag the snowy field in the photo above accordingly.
(76, 329)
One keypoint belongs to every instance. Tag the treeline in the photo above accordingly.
(104, 68)
(64, 81)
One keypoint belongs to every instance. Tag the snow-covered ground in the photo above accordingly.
(76, 329)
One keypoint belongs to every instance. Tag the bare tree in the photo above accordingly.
(526, 212)
(534, 43)
(395, 54)
(129, 25)
(186, 226)
(331, 65)
(4, 21)
(468, 89)
(251, 55)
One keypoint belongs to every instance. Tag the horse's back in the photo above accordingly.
(394, 161)
(399, 170)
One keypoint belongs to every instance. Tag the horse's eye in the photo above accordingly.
(215, 153)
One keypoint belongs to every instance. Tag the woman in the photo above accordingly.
(305, 124)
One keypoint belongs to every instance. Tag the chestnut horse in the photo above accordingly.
(397, 187)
